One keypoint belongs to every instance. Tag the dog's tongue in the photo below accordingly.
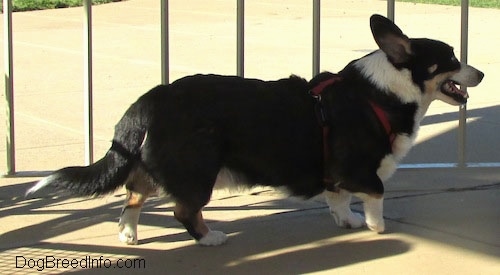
(452, 88)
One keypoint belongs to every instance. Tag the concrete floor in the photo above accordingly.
(440, 221)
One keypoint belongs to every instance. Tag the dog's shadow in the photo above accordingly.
(238, 257)
(292, 241)
(285, 243)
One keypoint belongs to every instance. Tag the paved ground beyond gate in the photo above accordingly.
(439, 221)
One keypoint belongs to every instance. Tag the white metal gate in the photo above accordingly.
(240, 66)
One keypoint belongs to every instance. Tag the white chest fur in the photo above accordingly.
(386, 77)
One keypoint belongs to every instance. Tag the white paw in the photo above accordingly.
(351, 220)
(128, 236)
(213, 238)
(374, 212)
(377, 226)
(128, 225)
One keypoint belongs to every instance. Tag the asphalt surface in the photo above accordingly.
(439, 221)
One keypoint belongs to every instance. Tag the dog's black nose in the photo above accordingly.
(480, 75)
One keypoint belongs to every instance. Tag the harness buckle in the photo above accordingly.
(314, 95)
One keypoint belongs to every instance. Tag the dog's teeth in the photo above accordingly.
(451, 88)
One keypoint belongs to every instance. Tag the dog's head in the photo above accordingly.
(424, 66)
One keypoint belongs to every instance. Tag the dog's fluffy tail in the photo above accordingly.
(113, 169)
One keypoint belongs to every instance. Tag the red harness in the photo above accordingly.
(318, 89)
(316, 94)
(384, 120)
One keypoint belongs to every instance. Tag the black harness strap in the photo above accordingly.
(124, 152)
(323, 120)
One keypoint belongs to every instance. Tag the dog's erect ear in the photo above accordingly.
(390, 39)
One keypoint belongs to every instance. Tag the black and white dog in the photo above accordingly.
(340, 134)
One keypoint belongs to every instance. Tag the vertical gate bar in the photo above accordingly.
(462, 120)
(391, 7)
(9, 87)
(462, 132)
(87, 83)
(165, 64)
(316, 44)
(240, 38)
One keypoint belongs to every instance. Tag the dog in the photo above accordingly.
(338, 134)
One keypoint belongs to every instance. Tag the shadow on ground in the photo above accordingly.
(277, 243)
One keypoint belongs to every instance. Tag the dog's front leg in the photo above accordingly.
(374, 211)
(339, 203)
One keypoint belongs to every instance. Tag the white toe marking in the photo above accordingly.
(339, 204)
(128, 236)
(213, 238)
(128, 225)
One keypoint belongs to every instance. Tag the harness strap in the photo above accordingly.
(322, 118)
(384, 120)
(318, 89)
(321, 114)
(122, 151)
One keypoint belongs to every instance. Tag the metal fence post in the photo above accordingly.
(391, 7)
(316, 37)
(87, 82)
(240, 38)
(164, 43)
(462, 120)
(9, 87)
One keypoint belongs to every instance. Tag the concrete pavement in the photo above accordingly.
(441, 221)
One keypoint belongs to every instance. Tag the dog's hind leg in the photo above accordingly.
(339, 203)
(192, 219)
(139, 187)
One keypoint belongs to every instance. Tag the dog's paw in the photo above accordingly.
(356, 220)
(376, 225)
(128, 236)
(351, 220)
(213, 238)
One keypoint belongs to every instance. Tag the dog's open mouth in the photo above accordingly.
(450, 89)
